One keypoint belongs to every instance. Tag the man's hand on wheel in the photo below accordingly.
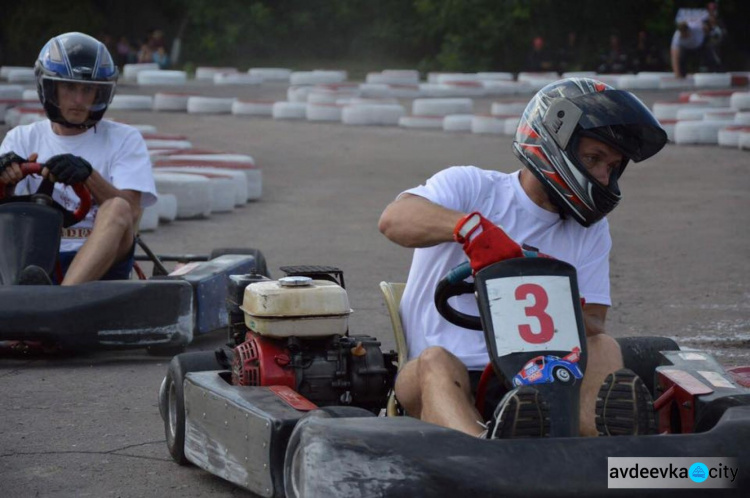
(484, 242)
(68, 169)
(10, 168)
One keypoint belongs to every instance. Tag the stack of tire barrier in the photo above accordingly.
(707, 117)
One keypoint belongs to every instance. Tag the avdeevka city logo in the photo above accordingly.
(698, 472)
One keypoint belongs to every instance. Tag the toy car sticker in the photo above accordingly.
(716, 379)
(533, 313)
(549, 368)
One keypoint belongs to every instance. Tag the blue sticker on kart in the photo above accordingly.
(548, 368)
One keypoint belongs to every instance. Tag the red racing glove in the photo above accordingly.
(484, 242)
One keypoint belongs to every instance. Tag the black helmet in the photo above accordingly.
(550, 129)
(78, 58)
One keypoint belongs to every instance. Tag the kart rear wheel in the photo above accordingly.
(642, 355)
(291, 462)
(260, 260)
(172, 397)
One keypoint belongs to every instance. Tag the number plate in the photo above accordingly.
(532, 313)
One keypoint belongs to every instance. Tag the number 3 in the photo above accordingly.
(547, 327)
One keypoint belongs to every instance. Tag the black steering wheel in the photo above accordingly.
(44, 196)
(455, 284)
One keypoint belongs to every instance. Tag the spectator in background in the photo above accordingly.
(538, 59)
(161, 58)
(126, 54)
(615, 60)
(646, 56)
(714, 34)
(569, 54)
(687, 45)
(145, 54)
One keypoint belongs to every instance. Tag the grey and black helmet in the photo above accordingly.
(550, 129)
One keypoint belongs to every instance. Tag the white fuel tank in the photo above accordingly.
(296, 306)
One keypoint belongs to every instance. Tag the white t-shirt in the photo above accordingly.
(501, 199)
(693, 40)
(117, 151)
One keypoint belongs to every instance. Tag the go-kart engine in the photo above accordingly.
(337, 370)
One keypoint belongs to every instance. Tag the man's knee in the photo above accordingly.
(436, 360)
(115, 211)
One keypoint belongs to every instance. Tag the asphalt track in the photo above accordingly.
(88, 426)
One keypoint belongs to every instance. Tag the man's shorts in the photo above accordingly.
(492, 396)
(119, 271)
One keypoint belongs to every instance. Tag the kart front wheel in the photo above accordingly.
(562, 374)
(172, 397)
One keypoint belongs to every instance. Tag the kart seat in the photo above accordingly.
(30, 236)
(392, 292)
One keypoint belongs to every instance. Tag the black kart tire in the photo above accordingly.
(260, 260)
(290, 461)
(172, 397)
(642, 355)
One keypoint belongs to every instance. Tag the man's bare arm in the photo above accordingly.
(413, 221)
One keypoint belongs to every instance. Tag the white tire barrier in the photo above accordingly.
(393, 77)
(464, 88)
(130, 71)
(638, 82)
(289, 110)
(298, 93)
(720, 115)
(668, 126)
(171, 101)
(669, 110)
(740, 101)
(498, 87)
(742, 118)
(743, 142)
(672, 83)
(132, 103)
(167, 207)
(428, 122)
(488, 125)
(368, 101)
(30, 96)
(21, 75)
(253, 173)
(511, 125)
(252, 108)
(11, 92)
(161, 77)
(193, 193)
(495, 76)
(435, 90)
(444, 78)
(716, 98)
(331, 95)
(505, 108)
(149, 219)
(209, 105)
(211, 157)
(717, 80)
(698, 132)
(145, 129)
(5, 70)
(168, 144)
(236, 79)
(442, 107)
(317, 77)
(580, 74)
(223, 189)
(730, 135)
(239, 179)
(697, 113)
(207, 72)
(323, 112)
(270, 73)
(372, 114)
(15, 116)
(457, 122)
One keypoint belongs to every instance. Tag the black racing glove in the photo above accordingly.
(9, 158)
(68, 169)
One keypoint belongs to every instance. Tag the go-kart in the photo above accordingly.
(162, 313)
(288, 407)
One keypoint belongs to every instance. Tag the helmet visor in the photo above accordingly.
(621, 120)
(93, 96)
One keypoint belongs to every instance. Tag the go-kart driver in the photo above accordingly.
(76, 79)
(575, 138)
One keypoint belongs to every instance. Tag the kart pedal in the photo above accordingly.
(522, 413)
(624, 406)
